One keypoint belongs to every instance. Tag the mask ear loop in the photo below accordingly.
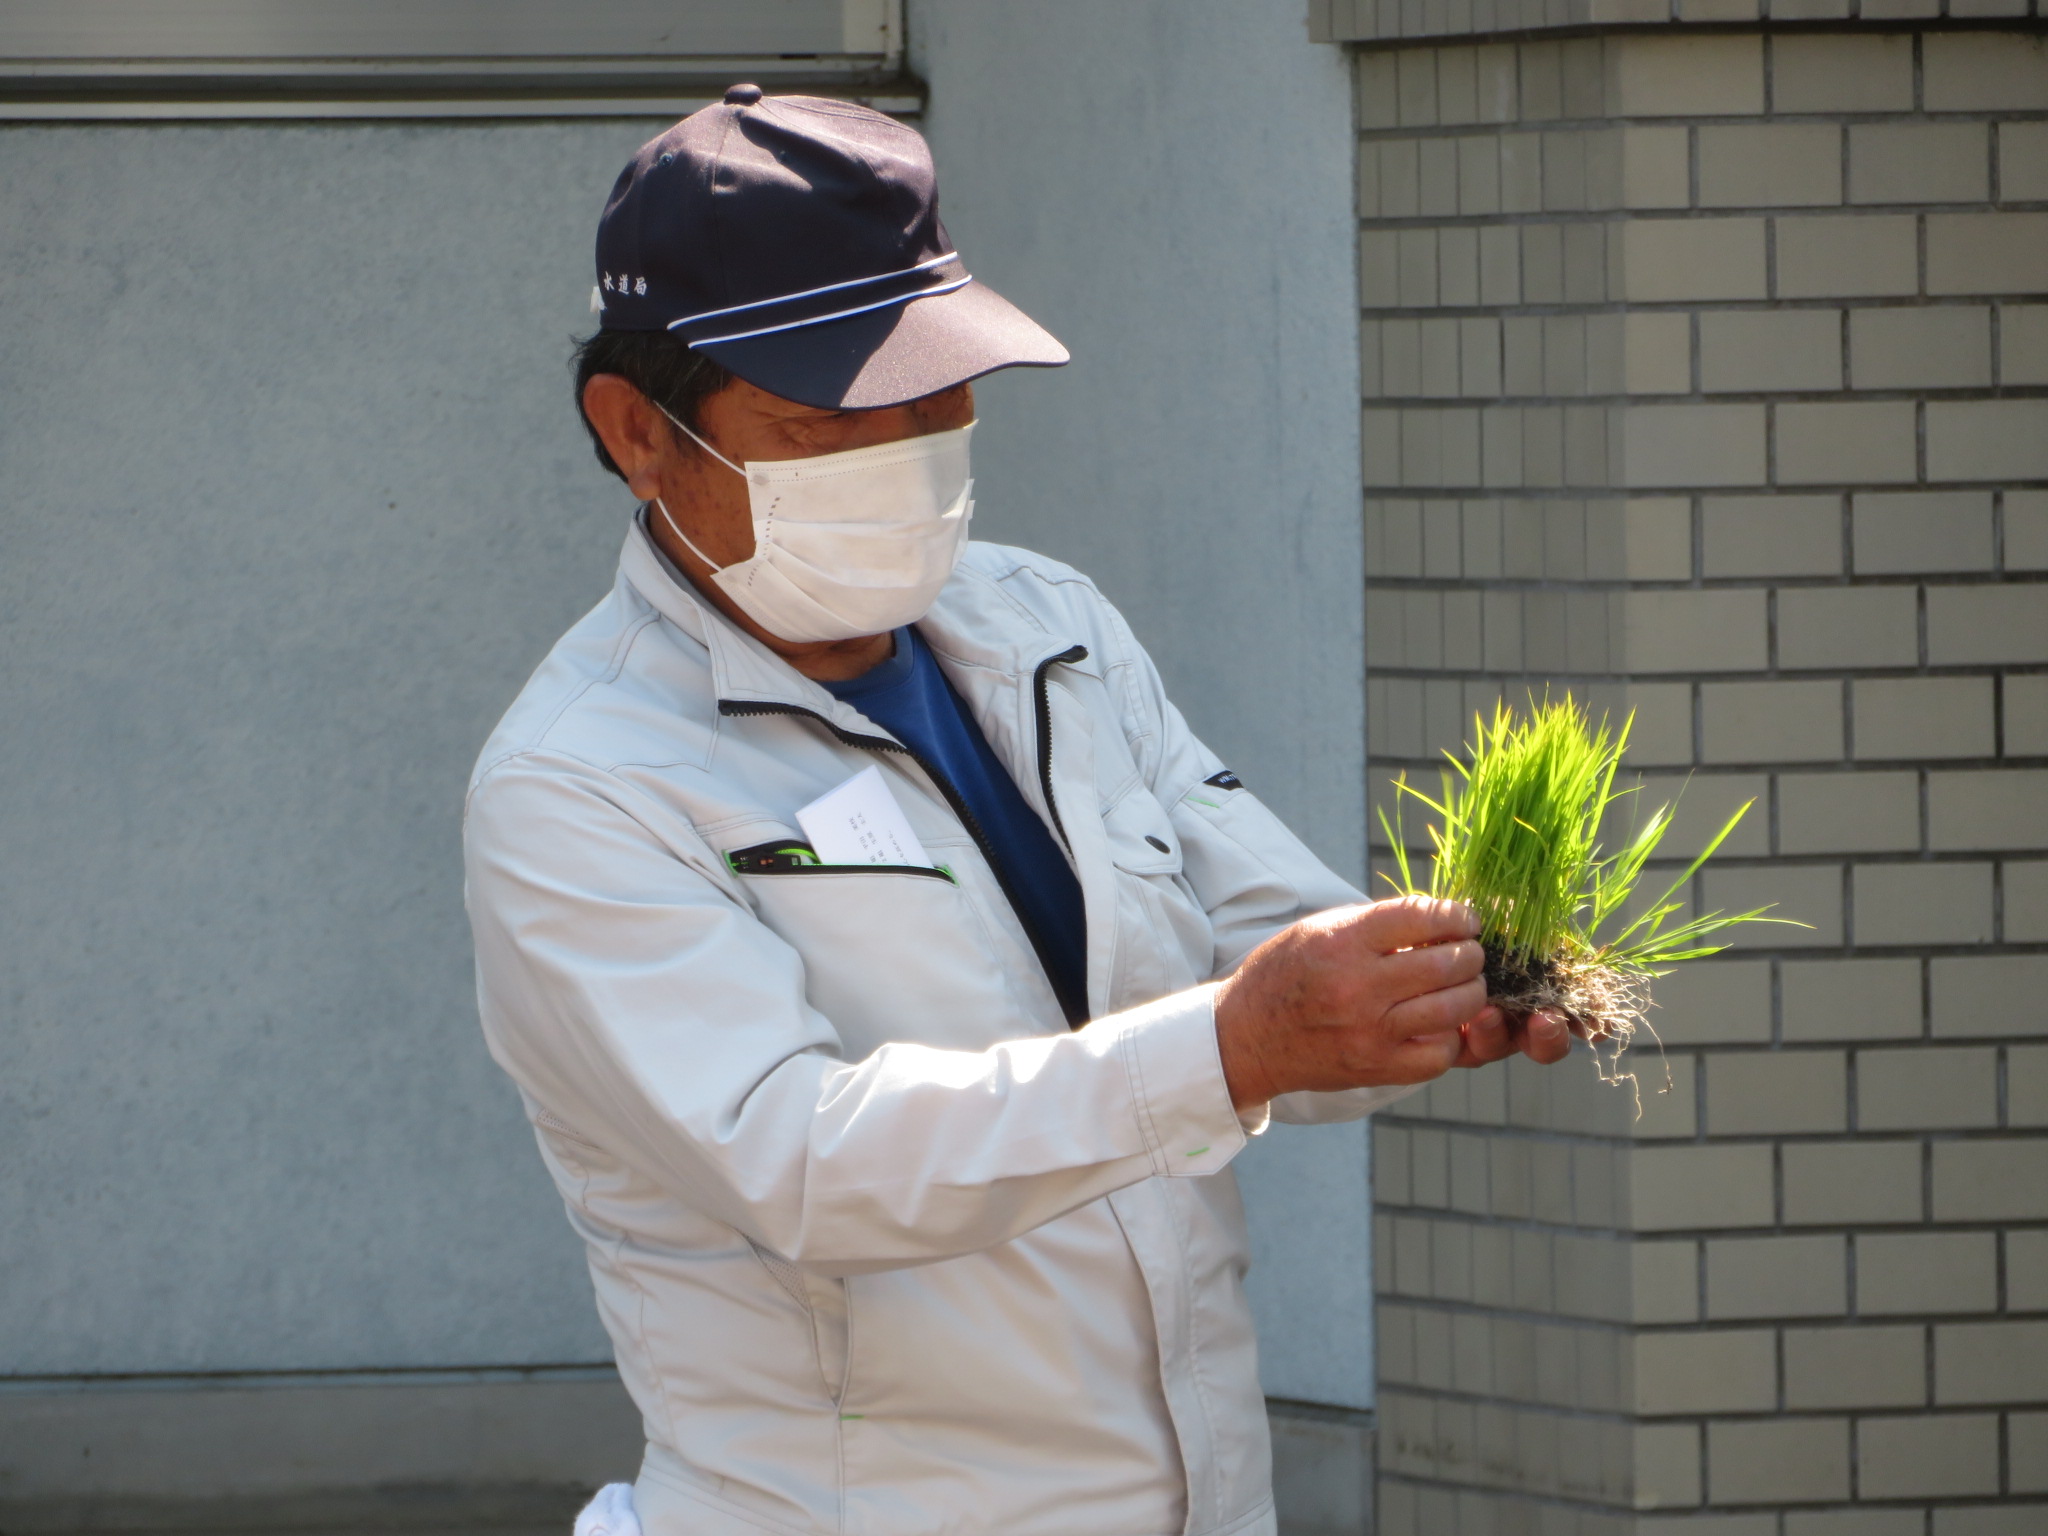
(669, 516)
(670, 519)
(693, 437)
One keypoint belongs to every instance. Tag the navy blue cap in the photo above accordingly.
(796, 241)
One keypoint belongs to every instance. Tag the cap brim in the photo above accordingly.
(888, 356)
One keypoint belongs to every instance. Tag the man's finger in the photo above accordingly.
(1408, 922)
(1403, 922)
(1423, 1058)
(1487, 1039)
(1433, 1012)
(1545, 1037)
(1411, 972)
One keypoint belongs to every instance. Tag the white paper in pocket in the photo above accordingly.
(861, 823)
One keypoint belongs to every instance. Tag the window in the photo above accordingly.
(107, 59)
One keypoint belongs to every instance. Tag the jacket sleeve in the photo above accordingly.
(1252, 875)
(628, 988)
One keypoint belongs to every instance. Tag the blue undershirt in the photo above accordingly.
(910, 697)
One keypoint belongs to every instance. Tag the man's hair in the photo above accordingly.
(662, 367)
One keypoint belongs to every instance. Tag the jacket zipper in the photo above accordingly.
(1043, 701)
(960, 809)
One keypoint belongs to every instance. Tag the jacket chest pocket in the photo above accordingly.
(890, 953)
(1163, 935)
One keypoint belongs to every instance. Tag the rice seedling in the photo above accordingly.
(1516, 834)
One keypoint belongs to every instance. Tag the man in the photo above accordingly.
(903, 1171)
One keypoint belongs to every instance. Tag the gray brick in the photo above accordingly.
(1922, 717)
(1701, 806)
(1847, 627)
(1989, 253)
(1837, 72)
(1988, 808)
(1714, 1002)
(1803, 904)
(1664, 1282)
(1988, 995)
(1951, 1455)
(2026, 531)
(1658, 531)
(2005, 1518)
(1725, 1372)
(1773, 349)
(1691, 445)
(1987, 624)
(1905, 533)
(2028, 1439)
(2003, 1362)
(1778, 1460)
(1672, 260)
(1795, 894)
(1771, 165)
(1656, 353)
(2027, 1085)
(2022, 162)
(1919, 162)
(1847, 256)
(1829, 442)
(1926, 1272)
(1945, 346)
(1852, 1183)
(1776, 1092)
(1679, 631)
(1922, 903)
(1771, 536)
(1866, 1520)
(1937, 1088)
(1848, 812)
(1675, 1188)
(1750, 1277)
(1851, 999)
(2026, 716)
(2026, 1275)
(1662, 732)
(1665, 1466)
(1790, 721)
(2023, 342)
(1984, 72)
(1991, 1181)
(1687, 77)
(1655, 169)
(1987, 439)
(2026, 901)
(1855, 1368)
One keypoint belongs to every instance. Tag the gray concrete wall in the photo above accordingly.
(292, 498)
(1167, 185)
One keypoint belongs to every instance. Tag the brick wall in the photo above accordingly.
(1707, 374)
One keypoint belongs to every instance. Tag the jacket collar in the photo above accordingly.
(977, 623)
(974, 624)
(742, 668)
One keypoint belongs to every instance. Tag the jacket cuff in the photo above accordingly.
(1344, 1104)
(1176, 1074)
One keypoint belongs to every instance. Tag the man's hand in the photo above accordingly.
(1543, 1037)
(1366, 996)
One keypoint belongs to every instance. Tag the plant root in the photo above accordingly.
(1605, 1007)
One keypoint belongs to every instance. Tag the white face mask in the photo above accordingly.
(847, 544)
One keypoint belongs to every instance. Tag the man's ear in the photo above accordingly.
(634, 432)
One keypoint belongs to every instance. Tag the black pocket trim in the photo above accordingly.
(793, 856)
